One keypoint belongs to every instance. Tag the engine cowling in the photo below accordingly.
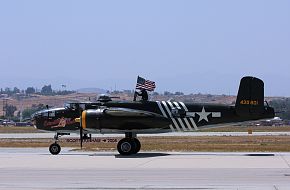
(122, 119)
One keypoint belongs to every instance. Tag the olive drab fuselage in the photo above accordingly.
(173, 116)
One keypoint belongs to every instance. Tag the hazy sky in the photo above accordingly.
(190, 46)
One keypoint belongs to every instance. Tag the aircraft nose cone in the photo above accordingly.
(33, 121)
(34, 117)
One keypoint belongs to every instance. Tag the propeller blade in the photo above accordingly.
(81, 129)
(78, 120)
(81, 136)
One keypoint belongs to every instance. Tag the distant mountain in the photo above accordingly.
(91, 90)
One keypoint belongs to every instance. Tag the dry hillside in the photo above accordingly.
(59, 100)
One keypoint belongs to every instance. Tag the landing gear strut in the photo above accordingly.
(129, 145)
(55, 148)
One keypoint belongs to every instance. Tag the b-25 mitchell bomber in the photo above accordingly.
(150, 117)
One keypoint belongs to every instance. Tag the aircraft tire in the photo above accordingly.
(54, 149)
(126, 146)
(137, 144)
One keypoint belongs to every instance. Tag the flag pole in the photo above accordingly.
(134, 99)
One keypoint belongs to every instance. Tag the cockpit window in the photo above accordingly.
(44, 114)
(83, 106)
(51, 113)
(73, 106)
(67, 105)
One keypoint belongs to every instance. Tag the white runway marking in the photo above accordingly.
(23, 168)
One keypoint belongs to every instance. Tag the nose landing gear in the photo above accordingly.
(55, 148)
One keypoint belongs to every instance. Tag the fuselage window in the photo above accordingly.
(174, 112)
(178, 112)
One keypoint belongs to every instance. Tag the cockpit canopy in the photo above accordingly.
(47, 113)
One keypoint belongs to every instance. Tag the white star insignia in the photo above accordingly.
(203, 115)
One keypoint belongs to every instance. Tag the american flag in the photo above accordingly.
(145, 84)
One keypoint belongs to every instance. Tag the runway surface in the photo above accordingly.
(27, 168)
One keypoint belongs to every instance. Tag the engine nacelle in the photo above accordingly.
(122, 119)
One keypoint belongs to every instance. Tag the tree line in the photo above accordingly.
(45, 90)
(26, 113)
(282, 107)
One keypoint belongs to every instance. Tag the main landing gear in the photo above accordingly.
(55, 148)
(129, 145)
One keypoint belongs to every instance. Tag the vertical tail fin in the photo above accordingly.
(250, 99)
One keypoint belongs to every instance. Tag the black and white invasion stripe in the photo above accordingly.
(179, 124)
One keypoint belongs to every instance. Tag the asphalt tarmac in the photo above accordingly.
(35, 168)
